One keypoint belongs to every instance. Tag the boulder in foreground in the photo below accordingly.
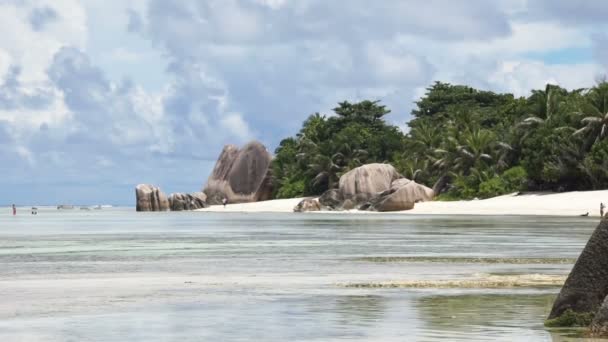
(150, 198)
(599, 325)
(586, 287)
(241, 175)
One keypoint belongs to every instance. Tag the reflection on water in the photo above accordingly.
(117, 275)
(357, 310)
(486, 315)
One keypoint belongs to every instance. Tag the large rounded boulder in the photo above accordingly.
(402, 195)
(150, 198)
(241, 175)
(365, 182)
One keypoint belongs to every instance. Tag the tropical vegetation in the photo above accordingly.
(470, 143)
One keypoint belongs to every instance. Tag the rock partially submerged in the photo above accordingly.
(586, 288)
(241, 175)
(150, 198)
(180, 201)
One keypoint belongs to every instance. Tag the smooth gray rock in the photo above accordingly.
(365, 182)
(241, 175)
(307, 204)
(348, 205)
(180, 201)
(150, 198)
(402, 195)
(587, 285)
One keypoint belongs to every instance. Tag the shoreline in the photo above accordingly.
(574, 203)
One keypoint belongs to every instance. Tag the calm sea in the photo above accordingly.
(118, 275)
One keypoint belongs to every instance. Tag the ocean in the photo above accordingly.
(117, 275)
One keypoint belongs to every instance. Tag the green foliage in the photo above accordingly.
(327, 147)
(291, 189)
(492, 188)
(489, 144)
(510, 181)
(571, 319)
(515, 179)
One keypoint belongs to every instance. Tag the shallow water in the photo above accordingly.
(117, 275)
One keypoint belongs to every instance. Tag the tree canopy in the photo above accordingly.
(483, 143)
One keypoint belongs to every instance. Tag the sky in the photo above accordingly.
(97, 96)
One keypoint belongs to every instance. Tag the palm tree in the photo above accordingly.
(426, 136)
(476, 148)
(414, 168)
(348, 157)
(595, 110)
(325, 171)
(547, 103)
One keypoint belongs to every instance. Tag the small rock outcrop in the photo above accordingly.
(331, 200)
(307, 204)
(150, 198)
(180, 201)
(586, 287)
(241, 175)
(375, 187)
(365, 182)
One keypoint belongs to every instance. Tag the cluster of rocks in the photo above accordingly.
(240, 175)
(583, 300)
(245, 175)
(373, 187)
(151, 198)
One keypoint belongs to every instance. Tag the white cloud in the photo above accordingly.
(520, 77)
(76, 93)
(237, 126)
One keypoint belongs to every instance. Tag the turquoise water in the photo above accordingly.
(117, 275)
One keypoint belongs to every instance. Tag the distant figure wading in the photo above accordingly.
(602, 207)
(14, 210)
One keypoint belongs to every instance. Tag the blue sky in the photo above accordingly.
(97, 96)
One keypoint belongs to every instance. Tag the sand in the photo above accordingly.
(574, 203)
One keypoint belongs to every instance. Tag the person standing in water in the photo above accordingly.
(14, 210)
(602, 207)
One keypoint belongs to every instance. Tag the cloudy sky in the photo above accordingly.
(99, 95)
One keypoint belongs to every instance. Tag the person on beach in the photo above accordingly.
(14, 210)
(224, 201)
(602, 207)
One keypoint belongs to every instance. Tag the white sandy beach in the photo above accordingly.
(556, 204)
